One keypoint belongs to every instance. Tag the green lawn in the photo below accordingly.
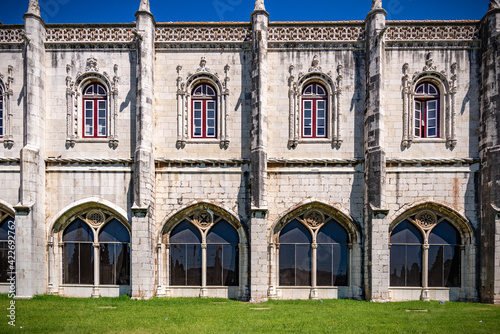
(51, 314)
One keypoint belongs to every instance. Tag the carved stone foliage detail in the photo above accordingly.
(202, 34)
(95, 35)
(95, 218)
(426, 219)
(316, 34)
(415, 32)
(314, 218)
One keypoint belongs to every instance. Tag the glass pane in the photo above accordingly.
(321, 108)
(210, 91)
(420, 89)
(210, 132)
(340, 265)
(398, 265)
(433, 90)
(123, 264)
(303, 265)
(198, 90)
(431, 132)
(193, 264)
(186, 233)
(444, 234)
(287, 265)
(230, 265)
(71, 262)
(332, 232)
(86, 263)
(197, 113)
(210, 123)
(295, 232)
(222, 232)
(406, 233)
(4, 228)
(89, 106)
(114, 231)
(210, 114)
(101, 90)
(4, 262)
(307, 132)
(78, 231)
(89, 90)
(197, 123)
(436, 265)
(107, 263)
(178, 264)
(451, 268)
(324, 265)
(413, 265)
(211, 106)
(308, 90)
(320, 90)
(214, 264)
(320, 132)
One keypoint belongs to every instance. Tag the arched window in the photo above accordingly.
(406, 255)
(222, 255)
(78, 258)
(332, 257)
(427, 120)
(185, 255)
(444, 256)
(314, 111)
(2, 122)
(7, 261)
(295, 255)
(114, 263)
(95, 111)
(408, 252)
(204, 111)
(113, 253)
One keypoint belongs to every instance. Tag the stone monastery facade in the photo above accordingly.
(251, 160)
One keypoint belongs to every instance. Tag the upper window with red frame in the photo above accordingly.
(1, 114)
(204, 111)
(314, 111)
(95, 111)
(426, 111)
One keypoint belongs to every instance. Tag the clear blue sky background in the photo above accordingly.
(122, 11)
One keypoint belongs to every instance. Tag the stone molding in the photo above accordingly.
(90, 34)
(7, 93)
(184, 105)
(447, 89)
(85, 161)
(432, 30)
(316, 32)
(11, 35)
(74, 112)
(334, 89)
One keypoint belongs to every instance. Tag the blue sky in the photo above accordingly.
(122, 11)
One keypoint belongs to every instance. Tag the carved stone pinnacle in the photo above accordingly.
(494, 4)
(34, 8)
(259, 5)
(376, 4)
(144, 6)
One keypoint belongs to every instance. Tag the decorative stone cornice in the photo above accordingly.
(85, 161)
(314, 161)
(433, 161)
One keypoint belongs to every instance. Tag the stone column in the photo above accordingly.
(31, 243)
(376, 227)
(489, 242)
(96, 292)
(143, 213)
(425, 269)
(314, 285)
(258, 223)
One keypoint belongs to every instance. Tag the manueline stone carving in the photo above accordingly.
(494, 4)
(33, 7)
(259, 5)
(376, 4)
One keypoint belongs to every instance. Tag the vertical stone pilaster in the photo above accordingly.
(376, 226)
(31, 245)
(258, 220)
(489, 244)
(143, 220)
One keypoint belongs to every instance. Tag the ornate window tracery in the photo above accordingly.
(91, 105)
(95, 250)
(314, 251)
(202, 110)
(429, 104)
(314, 106)
(5, 108)
(425, 251)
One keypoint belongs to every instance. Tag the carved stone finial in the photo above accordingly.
(92, 65)
(203, 62)
(376, 4)
(34, 8)
(494, 4)
(144, 6)
(259, 5)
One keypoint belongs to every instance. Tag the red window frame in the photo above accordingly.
(95, 111)
(426, 120)
(204, 112)
(314, 111)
